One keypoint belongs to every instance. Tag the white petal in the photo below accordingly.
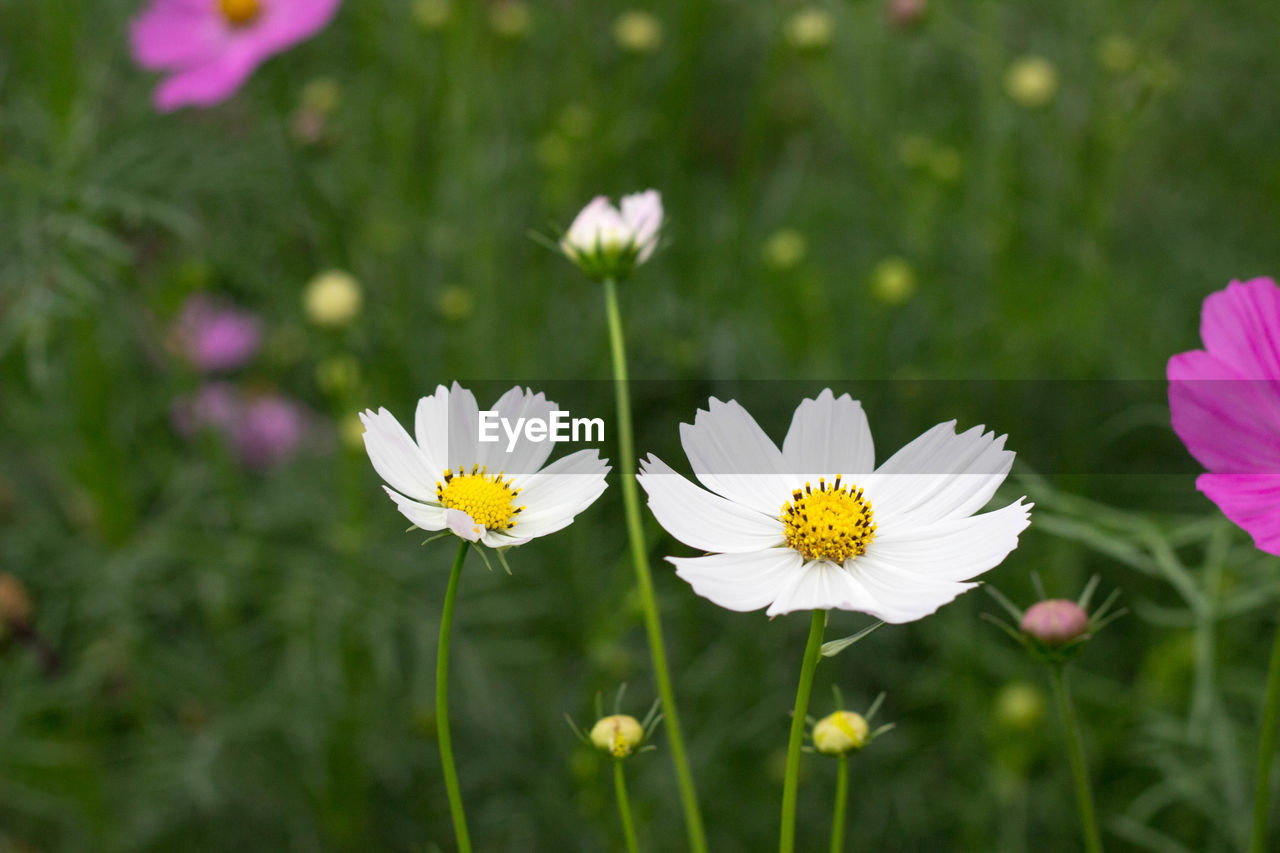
(829, 436)
(901, 595)
(423, 516)
(462, 525)
(702, 520)
(822, 585)
(938, 476)
(431, 426)
(557, 493)
(396, 458)
(739, 582)
(953, 550)
(527, 456)
(583, 231)
(498, 539)
(733, 457)
(464, 429)
(642, 213)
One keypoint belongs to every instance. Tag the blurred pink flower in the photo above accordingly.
(1225, 406)
(215, 337)
(265, 429)
(210, 47)
(270, 429)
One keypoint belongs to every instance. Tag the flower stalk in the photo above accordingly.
(842, 797)
(1075, 748)
(1266, 752)
(624, 807)
(442, 705)
(644, 580)
(790, 787)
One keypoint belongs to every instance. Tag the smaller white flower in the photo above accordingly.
(481, 491)
(609, 242)
(816, 525)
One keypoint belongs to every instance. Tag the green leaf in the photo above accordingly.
(835, 647)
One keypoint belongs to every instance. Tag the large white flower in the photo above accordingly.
(481, 491)
(816, 526)
(607, 241)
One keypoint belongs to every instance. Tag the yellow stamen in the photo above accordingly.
(829, 522)
(487, 498)
(240, 12)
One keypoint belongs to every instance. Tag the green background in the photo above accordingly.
(248, 656)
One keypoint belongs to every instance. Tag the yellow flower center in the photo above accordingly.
(240, 12)
(487, 498)
(829, 522)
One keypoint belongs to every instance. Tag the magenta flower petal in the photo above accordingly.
(1252, 501)
(1241, 327)
(1224, 404)
(177, 33)
(209, 56)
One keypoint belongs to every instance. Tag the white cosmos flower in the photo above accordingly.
(481, 491)
(607, 241)
(816, 526)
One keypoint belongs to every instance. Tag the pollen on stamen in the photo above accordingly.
(488, 499)
(829, 522)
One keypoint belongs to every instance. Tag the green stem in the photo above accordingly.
(644, 582)
(442, 705)
(790, 788)
(624, 807)
(842, 794)
(1084, 796)
(1266, 751)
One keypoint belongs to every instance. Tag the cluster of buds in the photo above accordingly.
(619, 734)
(842, 732)
(608, 242)
(1055, 630)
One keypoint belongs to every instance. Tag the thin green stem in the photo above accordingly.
(1266, 751)
(1084, 795)
(442, 705)
(624, 808)
(644, 582)
(790, 788)
(842, 794)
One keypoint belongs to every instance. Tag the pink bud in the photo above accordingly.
(904, 13)
(1055, 622)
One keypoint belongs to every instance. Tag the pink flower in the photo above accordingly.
(215, 337)
(210, 47)
(264, 429)
(1225, 405)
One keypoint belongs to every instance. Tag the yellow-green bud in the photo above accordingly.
(893, 281)
(785, 249)
(1117, 54)
(432, 14)
(618, 735)
(841, 732)
(1031, 81)
(509, 19)
(332, 298)
(1019, 705)
(809, 29)
(637, 32)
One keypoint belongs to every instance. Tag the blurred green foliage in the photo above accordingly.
(247, 656)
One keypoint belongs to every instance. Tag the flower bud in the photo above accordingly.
(332, 299)
(637, 32)
(809, 30)
(618, 735)
(1055, 621)
(905, 13)
(1031, 81)
(607, 241)
(841, 732)
(432, 14)
(15, 603)
(893, 281)
(1019, 706)
(785, 249)
(510, 19)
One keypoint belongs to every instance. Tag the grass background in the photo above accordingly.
(248, 655)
